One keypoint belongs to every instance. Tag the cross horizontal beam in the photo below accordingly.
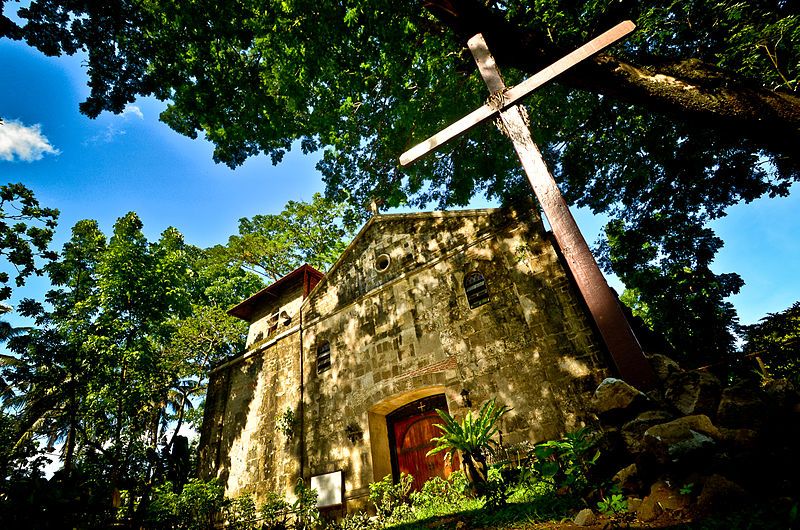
(518, 92)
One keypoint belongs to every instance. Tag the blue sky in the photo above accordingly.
(103, 168)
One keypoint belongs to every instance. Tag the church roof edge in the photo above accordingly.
(308, 275)
(377, 218)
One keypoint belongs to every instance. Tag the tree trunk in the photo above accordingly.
(475, 469)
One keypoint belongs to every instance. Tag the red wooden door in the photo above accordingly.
(411, 430)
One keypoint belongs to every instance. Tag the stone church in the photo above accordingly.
(343, 371)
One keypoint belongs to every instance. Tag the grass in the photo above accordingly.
(529, 509)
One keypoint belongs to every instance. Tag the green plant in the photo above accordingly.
(353, 521)
(240, 513)
(199, 503)
(440, 497)
(499, 486)
(392, 501)
(687, 488)
(286, 423)
(275, 512)
(194, 508)
(567, 462)
(471, 438)
(612, 505)
(306, 514)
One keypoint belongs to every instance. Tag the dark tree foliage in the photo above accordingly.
(119, 356)
(26, 229)
(696, 111)
(775, 339)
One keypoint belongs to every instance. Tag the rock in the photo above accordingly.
(719, 493)
(742, 406)
(663, 366)
(741, 439)
(585, 517)
(668, 497)
(628, 479)
(781, 394)
(662, 497)
(681, 438)
(694, 392)
(648, 510)
(633, 432)
(615, 400)
(633, 504)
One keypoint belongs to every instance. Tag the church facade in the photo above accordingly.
(342, 372)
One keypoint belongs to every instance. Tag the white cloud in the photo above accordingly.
(20, 142)
(133, 109)
(106, 136)
(117, 126)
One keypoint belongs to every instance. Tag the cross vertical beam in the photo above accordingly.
(614, 328)
(608, 316)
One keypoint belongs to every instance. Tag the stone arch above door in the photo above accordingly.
(378, 430)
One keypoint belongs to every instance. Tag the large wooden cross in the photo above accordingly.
(606, 312)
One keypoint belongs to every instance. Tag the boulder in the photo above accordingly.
(719, 493)
(616, 400)
(662, 497)
(663, 366)
(690, 436)
(740, 439)
(634, 503)
(781, 394)
(632, 433)
(628, 479)
(693, 392)
(585, 517)
(648, 510)
(742, 406)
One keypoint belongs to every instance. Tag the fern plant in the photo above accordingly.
(470, 439)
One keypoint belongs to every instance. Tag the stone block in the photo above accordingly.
(585, 517)
(693, 392)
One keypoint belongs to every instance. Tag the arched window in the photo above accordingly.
(323, 357)
(475, 287)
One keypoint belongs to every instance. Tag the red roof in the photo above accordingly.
(305, 275)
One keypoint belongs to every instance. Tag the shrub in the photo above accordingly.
(442, 497)
(199, 503)
(275, 512)
(392, 501)
(240, 513)
(194, 508)
(306, 514)
(567, 462)
(354, 521)
(497, 488)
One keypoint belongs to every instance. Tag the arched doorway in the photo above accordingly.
(410, 429)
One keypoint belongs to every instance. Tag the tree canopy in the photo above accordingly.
(273, 245)
(120, 351)
(775, 340)
(696, 111)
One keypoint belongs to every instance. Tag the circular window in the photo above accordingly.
(382, 263)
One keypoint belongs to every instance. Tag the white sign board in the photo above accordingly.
(329, 488)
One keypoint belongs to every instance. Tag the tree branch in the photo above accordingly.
(691, 89)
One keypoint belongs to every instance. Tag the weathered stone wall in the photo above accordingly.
(409, 327)
(240, 443)
(288, 304)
